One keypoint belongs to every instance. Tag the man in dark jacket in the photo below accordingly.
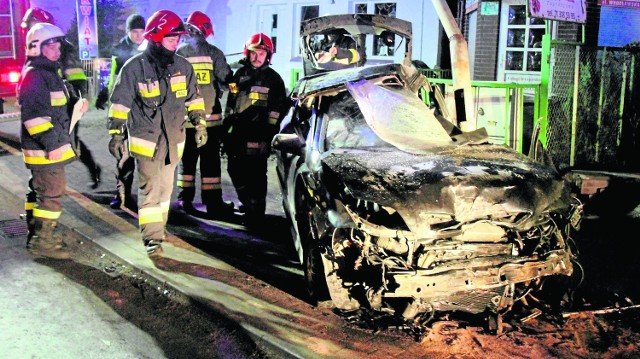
(151, 96)
(46, 140)
(212, 72)
(123, 51)
(252, 117)
(75, 75)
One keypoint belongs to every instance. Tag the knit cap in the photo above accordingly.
(135, 21)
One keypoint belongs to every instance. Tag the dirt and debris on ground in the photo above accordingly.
(604, 321)
(182, 330)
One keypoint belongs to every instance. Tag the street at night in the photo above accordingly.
(220, 283)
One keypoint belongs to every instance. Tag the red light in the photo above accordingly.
(14, 77)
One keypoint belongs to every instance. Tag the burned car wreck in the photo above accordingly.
(395, 210)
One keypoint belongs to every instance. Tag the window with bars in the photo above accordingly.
(383, 44)
(306, 12)
(523, 41)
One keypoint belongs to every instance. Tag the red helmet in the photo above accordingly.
(202, 22)
(259, 41)
(163, 23)
(36, 14)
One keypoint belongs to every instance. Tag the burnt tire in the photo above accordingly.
(314, 277)
(315, 280)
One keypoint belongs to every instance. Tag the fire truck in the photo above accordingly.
(12, 52)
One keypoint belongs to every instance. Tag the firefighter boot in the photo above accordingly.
(117, 201)
(95, 173)
(153, 247)
(220, 209)
(254, 211)
(28, 217)
(45, 243)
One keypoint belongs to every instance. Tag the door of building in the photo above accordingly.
(268, 24)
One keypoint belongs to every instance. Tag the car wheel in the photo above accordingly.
(314, 276)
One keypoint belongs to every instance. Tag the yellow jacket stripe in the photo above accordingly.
(39, 157)
(142, 146)
(149, 90)
(74, 74)
(273, 117)
(38, 125)
(119, 112)
(196, 104)
(178, 83)
(58, 98)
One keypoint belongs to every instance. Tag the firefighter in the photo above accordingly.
(75, 75)
(151, 95)
(252, 115)
(212, 72)
(123, 51)
(46, 139)
(337, 50)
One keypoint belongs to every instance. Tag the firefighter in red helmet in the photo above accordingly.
(213, 73)
(150, 97)
(252, 117)
(36, 15)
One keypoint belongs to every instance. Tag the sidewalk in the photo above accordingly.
(44, 314)
(284, 325)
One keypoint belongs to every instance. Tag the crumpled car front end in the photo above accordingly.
(458, 232)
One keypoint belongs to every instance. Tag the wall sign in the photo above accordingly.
(563, 10)
(87, 29)
(634, 4)
(489, 8)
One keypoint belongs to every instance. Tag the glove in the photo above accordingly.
(116, 146)
(201, 135)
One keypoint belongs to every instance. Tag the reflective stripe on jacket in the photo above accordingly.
(212, 74)
(44, 100)
(152, 106)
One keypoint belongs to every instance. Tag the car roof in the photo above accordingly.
(319, 82)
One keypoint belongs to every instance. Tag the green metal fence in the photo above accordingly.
(592, 116)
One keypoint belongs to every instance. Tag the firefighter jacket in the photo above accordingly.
(123, 51)
(254, 104)
(151, 100)
(212, 73)
(44, 99)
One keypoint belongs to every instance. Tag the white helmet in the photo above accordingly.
(39, 34)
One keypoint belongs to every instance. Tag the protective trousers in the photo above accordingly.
(46, 188)
(210, 168)
(248, 172)
(154, 197)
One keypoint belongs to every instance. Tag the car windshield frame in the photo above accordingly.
(359, 30)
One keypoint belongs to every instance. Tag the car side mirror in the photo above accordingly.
(289, 143)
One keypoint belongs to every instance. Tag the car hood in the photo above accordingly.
(465, 182)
